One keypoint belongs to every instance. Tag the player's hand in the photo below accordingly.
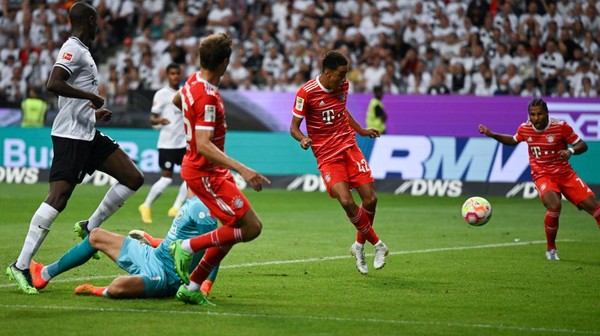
(484, 130)
(371, 133)
(164, 121)
(97, 102)
(305, 143)
(103, 115)
(565, 154)
(255, 179)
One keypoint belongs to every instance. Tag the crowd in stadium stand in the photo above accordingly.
(477, 47)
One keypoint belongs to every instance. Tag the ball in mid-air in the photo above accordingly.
(477, 211)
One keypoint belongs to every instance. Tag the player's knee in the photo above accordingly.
(252, 230)
(137, 180)
(370, 202)
(96, 237)
(347, 203)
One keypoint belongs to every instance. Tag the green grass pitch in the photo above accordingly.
(443, 277)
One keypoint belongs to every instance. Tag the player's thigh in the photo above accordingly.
(332, 173)
(357, 167)
(222, 197)
(575, 189)
(108, 242)
(120, 166)
(550, 193)
(131, 286)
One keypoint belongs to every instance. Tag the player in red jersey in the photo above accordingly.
(331, 135)
(205, 169)
(548, 141)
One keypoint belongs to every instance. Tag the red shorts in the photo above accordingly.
(569, 185)
(222, 197)
(349, 166)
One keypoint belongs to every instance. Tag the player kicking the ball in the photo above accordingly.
(549, 155)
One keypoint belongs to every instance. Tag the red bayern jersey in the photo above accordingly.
(203, 109)
(544, 146)
(326, 118)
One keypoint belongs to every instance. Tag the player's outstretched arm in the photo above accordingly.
(502, 138)
(370, 132)
(208, 149)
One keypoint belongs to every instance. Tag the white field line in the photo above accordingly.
(318, 318)
(296, 261)
(207, 312)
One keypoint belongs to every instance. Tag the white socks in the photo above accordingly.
(113, 200)
(181, 196)
(38, 230)
(157, 189)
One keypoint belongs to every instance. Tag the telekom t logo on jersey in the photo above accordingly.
(328, 116)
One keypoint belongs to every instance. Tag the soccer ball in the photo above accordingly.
(477, 211)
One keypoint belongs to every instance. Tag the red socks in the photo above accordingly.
(363, 224)
(211, 259)
(596, 215)
(551, 227)
(360, 238)
(223, 236)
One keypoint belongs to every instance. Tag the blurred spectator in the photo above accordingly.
(9, 27)
(437, 86)
(33, 109)
(220, 18)
(585, 89)
(13, 88)
(484, 81)
(550, 65)
(530, 88)
(9, 49)
(562, 91)
(458, 80)
(35, 73)
(477, 11)
(418, 82)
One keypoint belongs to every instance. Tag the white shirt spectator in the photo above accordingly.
(550, 64)
(219, 18)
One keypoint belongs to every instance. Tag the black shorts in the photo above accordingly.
(74, 158)
(168, 158)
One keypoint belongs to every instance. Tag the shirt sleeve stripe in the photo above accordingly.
(205, 128)
(297, 115)
(64, 67)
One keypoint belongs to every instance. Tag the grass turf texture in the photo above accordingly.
(443, 277)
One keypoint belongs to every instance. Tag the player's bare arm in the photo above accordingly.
(305, 142)
(208, 149)
(370, 132)
(177, 99)
(578, 148)
(502, 138)
(103, 114)
(57, 84)
(156, 120)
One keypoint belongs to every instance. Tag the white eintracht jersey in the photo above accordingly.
(76, 117)
(171, 135)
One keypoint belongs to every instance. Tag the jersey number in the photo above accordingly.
(363, 166)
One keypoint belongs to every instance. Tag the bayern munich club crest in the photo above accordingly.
(237, 202)
(327, 177)
(342, 97)
(550, 138)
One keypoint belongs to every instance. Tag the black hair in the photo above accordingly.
(538, 102)
(333, 59)
(80, 13)
(173, 66)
